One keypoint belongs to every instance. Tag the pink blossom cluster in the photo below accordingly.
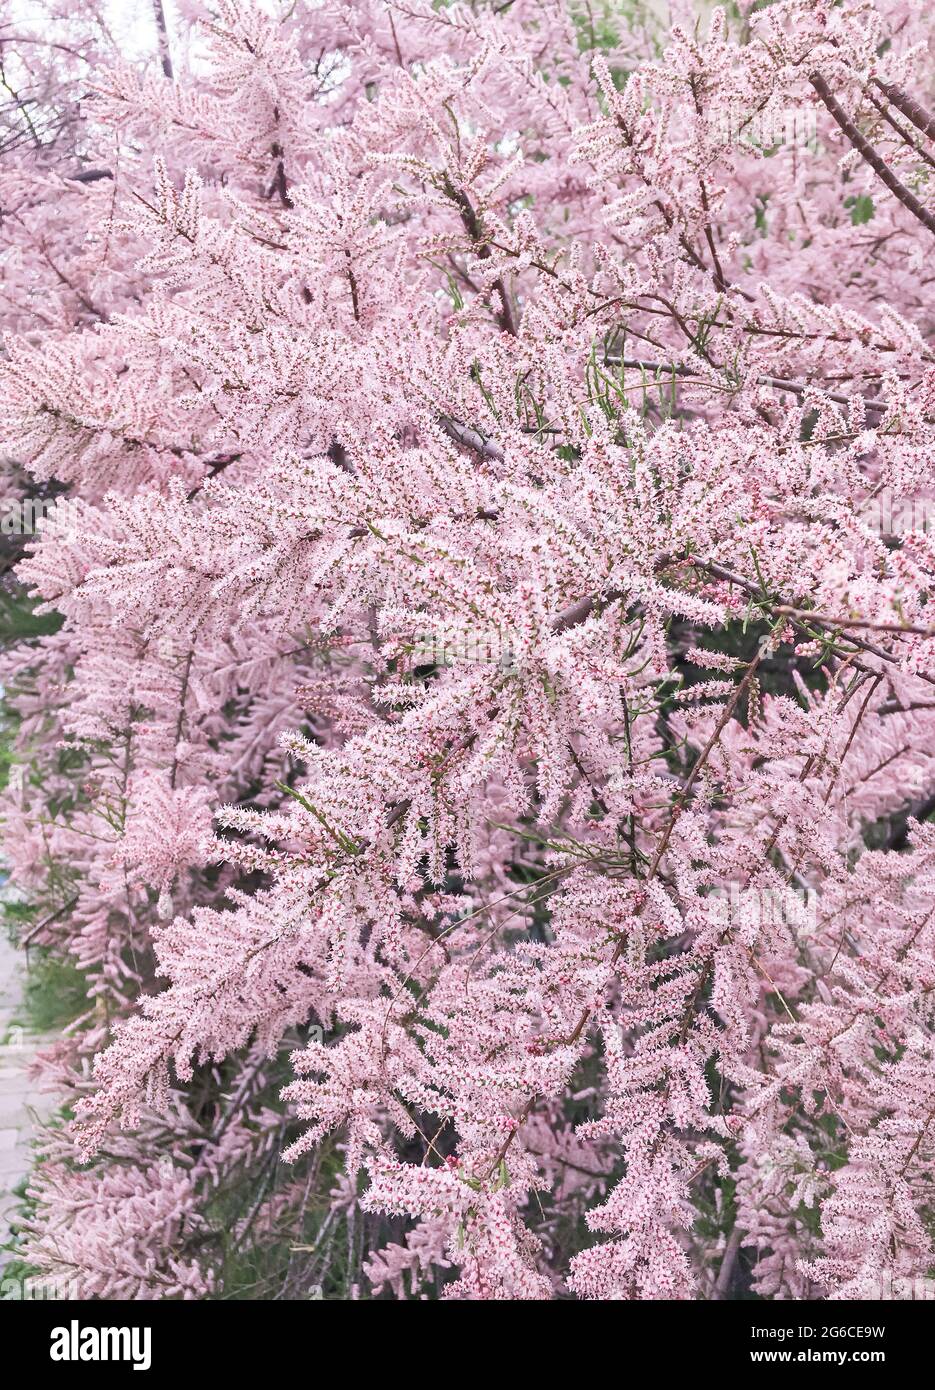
(466, 439)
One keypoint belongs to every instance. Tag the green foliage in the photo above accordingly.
(19, 621)
(862, 209)
(55, 993)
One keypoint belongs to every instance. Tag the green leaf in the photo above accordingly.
(861, 207)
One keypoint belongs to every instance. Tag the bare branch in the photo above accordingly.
(882, 170)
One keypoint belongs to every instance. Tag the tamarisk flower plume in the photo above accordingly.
(484, 771)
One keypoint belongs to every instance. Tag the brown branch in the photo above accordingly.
(725, 1276)
(162, 31)
(882, 170)
(471, 439)
(475, 230)
(903, 134)
(47, 922)
(797, 388)
(910, 108)
(826, 620)
(755, 591)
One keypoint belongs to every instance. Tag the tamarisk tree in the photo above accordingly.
(484, 771)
